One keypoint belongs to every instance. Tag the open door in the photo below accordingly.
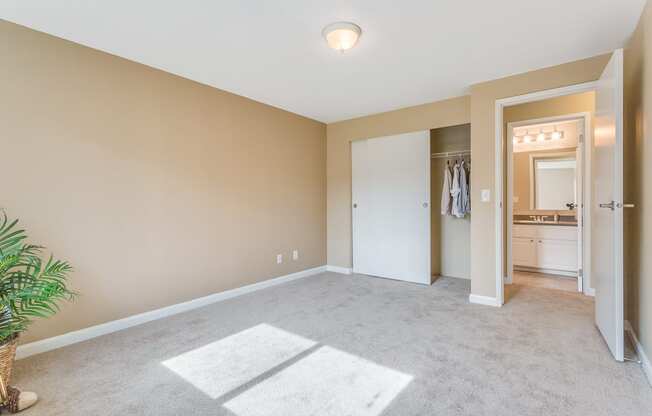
(607, 208)
(579, 200)
(391, 207)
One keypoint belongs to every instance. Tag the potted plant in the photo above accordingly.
(30, 287)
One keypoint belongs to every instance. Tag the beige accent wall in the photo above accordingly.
(638, 176)
(451, 236)
(445, 113)
(552, 107)
(156, 188)
(483, 98)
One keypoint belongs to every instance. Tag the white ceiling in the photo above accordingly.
(410, 52)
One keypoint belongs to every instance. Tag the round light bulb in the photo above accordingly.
(541, 137)
(556, 135)
(527, 139)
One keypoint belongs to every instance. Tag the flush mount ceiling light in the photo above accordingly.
(342, 36)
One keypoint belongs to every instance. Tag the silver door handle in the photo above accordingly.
(613, 205)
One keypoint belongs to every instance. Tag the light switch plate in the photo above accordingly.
(485, 195)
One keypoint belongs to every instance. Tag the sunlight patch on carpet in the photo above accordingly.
(328, 382)
(221, 366)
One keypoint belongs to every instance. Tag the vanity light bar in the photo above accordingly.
(539, 137)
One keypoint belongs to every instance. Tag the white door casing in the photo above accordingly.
(391, 207)
(607, 210)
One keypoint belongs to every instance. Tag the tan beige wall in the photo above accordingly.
(157, 189)
(424, 117)
(483, 98)
(558, 106)
(451, 237)
(638, 176)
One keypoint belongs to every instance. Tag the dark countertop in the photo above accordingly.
(560, 223)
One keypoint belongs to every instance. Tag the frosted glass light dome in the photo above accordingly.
(342, 36)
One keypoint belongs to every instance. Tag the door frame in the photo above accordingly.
(499, 177)
(584, 175)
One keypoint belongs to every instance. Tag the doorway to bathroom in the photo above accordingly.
(546, 192)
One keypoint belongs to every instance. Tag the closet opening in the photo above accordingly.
(450, 169)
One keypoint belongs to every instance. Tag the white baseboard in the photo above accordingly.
(642, 356)
(59, 341)
(484, 300)
(338, 269)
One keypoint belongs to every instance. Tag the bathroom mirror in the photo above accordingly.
(553, 182)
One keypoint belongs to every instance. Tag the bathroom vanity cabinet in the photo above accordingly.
(545, 248)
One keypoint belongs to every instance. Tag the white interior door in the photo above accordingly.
(391, 206)
(607, 210)
(579, 200)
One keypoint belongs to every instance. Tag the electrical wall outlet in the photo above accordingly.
(279, 258)
(295, 255)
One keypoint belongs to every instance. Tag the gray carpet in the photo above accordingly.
(335, 345)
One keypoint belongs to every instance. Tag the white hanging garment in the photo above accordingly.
(464, 185)
(456, 193)
(446, 192)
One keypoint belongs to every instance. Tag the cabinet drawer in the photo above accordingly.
(525, 231)
(555, 232)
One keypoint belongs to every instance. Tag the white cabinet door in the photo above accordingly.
(391, 207)
(524, 252)
(557, 254)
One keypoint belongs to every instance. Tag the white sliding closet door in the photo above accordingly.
(391, 207)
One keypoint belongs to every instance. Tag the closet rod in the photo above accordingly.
(451, 154)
